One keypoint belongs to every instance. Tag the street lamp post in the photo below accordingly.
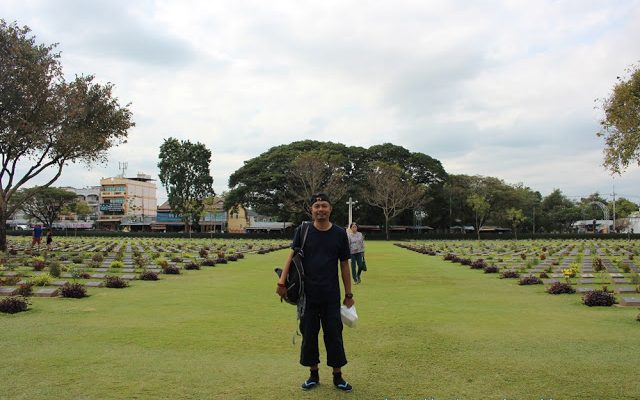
(351, 203)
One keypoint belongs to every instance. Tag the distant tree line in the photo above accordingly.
(394, 186)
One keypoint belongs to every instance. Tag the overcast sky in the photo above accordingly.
(497, 88)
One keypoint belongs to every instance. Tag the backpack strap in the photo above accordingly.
(305, 231)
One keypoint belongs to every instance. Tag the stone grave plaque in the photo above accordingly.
(586, 281)
(101, 269)
(8, 291)
(625, 289)
(11, 274)
(98, 276)
(584, 290)
(616, 275)
(59, 283)
(128, 270)
(46, 292)
(128, 277)
(619, 281)
(630, 301)
(587, 276)
(93, 284)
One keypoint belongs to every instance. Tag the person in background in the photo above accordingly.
(37, 235)
(356, 245)
(49, 238)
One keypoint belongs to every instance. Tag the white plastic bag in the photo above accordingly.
(349, 316)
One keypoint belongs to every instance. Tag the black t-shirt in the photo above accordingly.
(322, 251)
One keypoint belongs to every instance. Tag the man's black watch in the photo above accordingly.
(348, 295)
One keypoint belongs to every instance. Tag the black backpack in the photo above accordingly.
(295, 278)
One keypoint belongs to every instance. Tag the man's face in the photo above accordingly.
(321, 211)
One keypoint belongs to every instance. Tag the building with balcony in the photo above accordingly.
(127, 203)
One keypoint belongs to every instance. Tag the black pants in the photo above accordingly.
(327, 315)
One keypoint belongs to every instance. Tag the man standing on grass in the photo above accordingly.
(325, 246)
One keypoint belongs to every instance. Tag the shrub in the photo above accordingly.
(13, 304)
(241, 256)
(204, 253)
(478, 264)
(509, 274)
(38, 263)
(149, 276)
(232, 257)
(543, 275)
(192, 265)
(77, 260)
(530, 280)
(490, 269)
(54, 269)
(221, 261)
(41, 280)
(571, 271)
(162, 262)
(116, 264)
(176, 259)
(209, 262)
(638, 317)
(171, 270)
(73, 290)
(115, 282)
(601, 298)
(559, 288)
(26, 289)
(466, 261)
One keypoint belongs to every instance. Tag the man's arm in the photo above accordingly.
(281, 290)
(345, 271)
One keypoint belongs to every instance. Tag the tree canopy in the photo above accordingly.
(47, 122)
(621, 123)
(45, 204)
(184, 172)
(277, 181)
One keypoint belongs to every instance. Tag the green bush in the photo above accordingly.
(560, 288)
(13, 304)
(115, 282)
(25, 289)
(73, 290)
(149, 276)
(530, 280)
(116, 264)
(601, 298)
(41, 280)
(54, 269)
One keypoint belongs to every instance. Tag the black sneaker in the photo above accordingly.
(310, 383)
(341, 384)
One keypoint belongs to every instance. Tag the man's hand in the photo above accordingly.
(281, 290)
(348, 302)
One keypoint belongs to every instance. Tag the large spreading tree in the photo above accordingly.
(184, 172)
(621, 123)
(278, 181)
(45, 121)
(45, 204)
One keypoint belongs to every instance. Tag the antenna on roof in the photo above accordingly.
(122, 166)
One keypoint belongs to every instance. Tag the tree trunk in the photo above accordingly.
(3, 228)
(386, 225)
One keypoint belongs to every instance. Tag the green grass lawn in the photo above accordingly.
(428, 329)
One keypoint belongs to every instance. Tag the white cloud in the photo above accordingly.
(501, 88)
